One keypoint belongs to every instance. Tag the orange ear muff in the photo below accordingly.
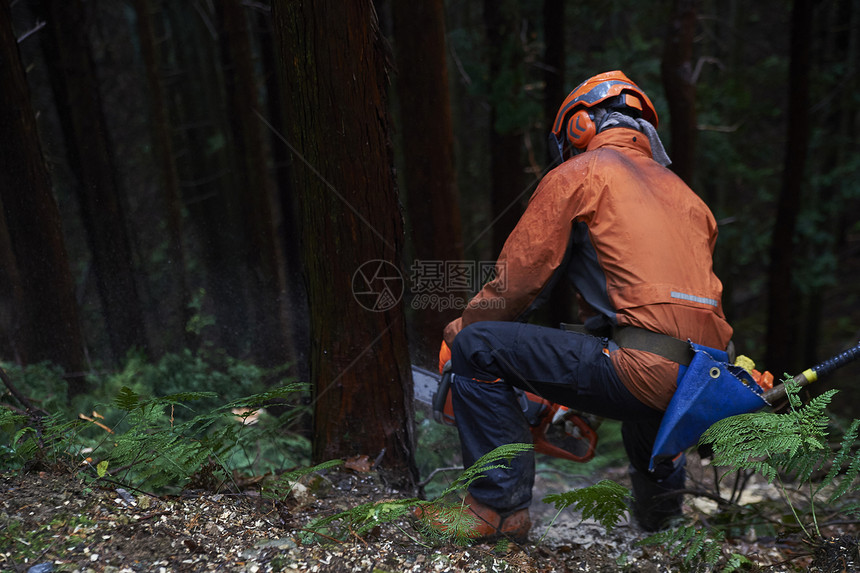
(580, 129)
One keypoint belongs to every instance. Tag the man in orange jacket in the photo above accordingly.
(637, 245)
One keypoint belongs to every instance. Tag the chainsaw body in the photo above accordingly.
(556, 430)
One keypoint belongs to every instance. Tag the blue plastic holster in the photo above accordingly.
(709, 389)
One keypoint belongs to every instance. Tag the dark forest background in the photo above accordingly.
(212, 173)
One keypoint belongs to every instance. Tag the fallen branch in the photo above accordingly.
(19, 396)
(429, 478)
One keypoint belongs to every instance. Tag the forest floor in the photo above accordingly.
(55, 521)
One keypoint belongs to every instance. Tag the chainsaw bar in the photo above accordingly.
(425, 383)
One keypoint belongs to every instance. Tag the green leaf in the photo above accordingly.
(605, 501)
(126, 399)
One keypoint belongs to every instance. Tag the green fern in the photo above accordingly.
(286, 482)
(358, 520)
(157, 451)
(846, 454)
(768, 443)
(791, 443)
(605, 501)
(50, 439)
(160, 441)
(495, 459)
(439, 520)
(699, 547)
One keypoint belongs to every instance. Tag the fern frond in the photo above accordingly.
(179, 397)
(285, 483)
(846, 453)
(442, 522)
(10, 418)
(126, 399)
(698, 545)
(359, 519)
(605, 501)
(263, 398)
(495, 459)
(766, 442)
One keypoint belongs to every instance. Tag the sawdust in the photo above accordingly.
(59, 522)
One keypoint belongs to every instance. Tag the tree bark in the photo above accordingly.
(677, 70)
(334, 69)
(288, 225)
(782, 321)
(428, 147)
(46, 314)
(89, 153)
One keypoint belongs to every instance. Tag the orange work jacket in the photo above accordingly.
(635, 241)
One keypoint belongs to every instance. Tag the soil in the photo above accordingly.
(55, 521)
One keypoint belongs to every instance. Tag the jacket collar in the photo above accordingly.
(622, 138)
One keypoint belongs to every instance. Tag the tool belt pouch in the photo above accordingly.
(709, 389)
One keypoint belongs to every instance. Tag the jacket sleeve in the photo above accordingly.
(530, 256)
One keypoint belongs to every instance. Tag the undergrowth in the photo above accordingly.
(794, 446)
(785, 447)
(439, 519)
(200, 436)
(205, 436)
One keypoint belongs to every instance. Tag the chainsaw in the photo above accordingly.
(556, 430)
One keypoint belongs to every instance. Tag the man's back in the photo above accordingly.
(643, 244)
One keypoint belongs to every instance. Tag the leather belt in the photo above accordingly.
(668, 347)
(636, 338)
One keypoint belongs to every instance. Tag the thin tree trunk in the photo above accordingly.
(263, 252)
(47, 319)
(89, 153)
(338, 129)
(11, 295)
(430, 178)
(207, 182)
(554, 90)
(163, 146)
(782, 320)
(677, 70)
(288, 228)
(507, 179)
(562, 303)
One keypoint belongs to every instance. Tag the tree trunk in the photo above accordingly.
(177, 305)
(213, 205)
(338, 130)
(562, 302)
(11, 294)
(89, 154)
(507, 180)
(782, 306)
(554, 68)
(288, 227)
(428, 147)
(47, 318)
(677, 70)
(263, 253)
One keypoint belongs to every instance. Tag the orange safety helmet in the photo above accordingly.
(577, 122)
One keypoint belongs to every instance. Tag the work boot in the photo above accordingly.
(654, 506)
(489, 525)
